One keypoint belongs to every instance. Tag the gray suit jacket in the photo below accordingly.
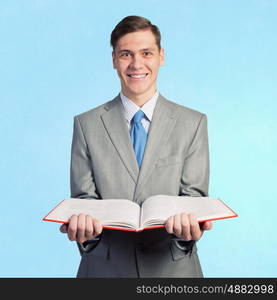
(103, 166)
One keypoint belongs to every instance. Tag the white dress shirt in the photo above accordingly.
(130, 108)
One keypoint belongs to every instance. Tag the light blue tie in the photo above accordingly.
(138, 136)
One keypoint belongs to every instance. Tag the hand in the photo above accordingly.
(81, 228)
(186, 226)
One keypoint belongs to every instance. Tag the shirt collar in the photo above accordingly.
(130, 108)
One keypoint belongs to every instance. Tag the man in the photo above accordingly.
(135, 146)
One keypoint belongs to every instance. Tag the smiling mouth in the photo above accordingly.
(137, 76)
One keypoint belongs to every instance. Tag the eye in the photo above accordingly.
(125, 54)
(147, 53)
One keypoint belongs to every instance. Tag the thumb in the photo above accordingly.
(63, 228)
(206, 225)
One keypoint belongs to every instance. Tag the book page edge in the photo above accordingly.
(45, 218)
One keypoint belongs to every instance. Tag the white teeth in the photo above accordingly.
(137, 76)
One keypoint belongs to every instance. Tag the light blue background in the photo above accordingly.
(55, 62)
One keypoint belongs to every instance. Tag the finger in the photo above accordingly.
(194, 228)
(97, 226)
(72, 228)
(81, 228)
(89, 228)
(169, 225)
(63, 228)
(177, 227)
(185, 223)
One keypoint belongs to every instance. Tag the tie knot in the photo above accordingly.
(138, 116)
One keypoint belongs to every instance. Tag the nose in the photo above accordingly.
(136, 62)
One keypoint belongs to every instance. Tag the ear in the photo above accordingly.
(113, 58)
(162, 57)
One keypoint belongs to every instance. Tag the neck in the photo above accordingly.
(141, 99)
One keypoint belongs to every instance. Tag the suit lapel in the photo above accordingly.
(117, 130)
(162, 124)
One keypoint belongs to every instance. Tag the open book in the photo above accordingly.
(127, 215)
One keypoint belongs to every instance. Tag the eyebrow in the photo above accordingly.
(148, 49)
(129, 51)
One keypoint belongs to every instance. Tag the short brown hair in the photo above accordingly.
(132, 24)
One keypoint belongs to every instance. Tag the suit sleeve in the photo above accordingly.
(82, 182)
(195, 175)
(196, 169)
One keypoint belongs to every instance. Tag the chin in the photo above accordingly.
(139, 90)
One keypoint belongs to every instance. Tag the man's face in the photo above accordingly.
(137, 59)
